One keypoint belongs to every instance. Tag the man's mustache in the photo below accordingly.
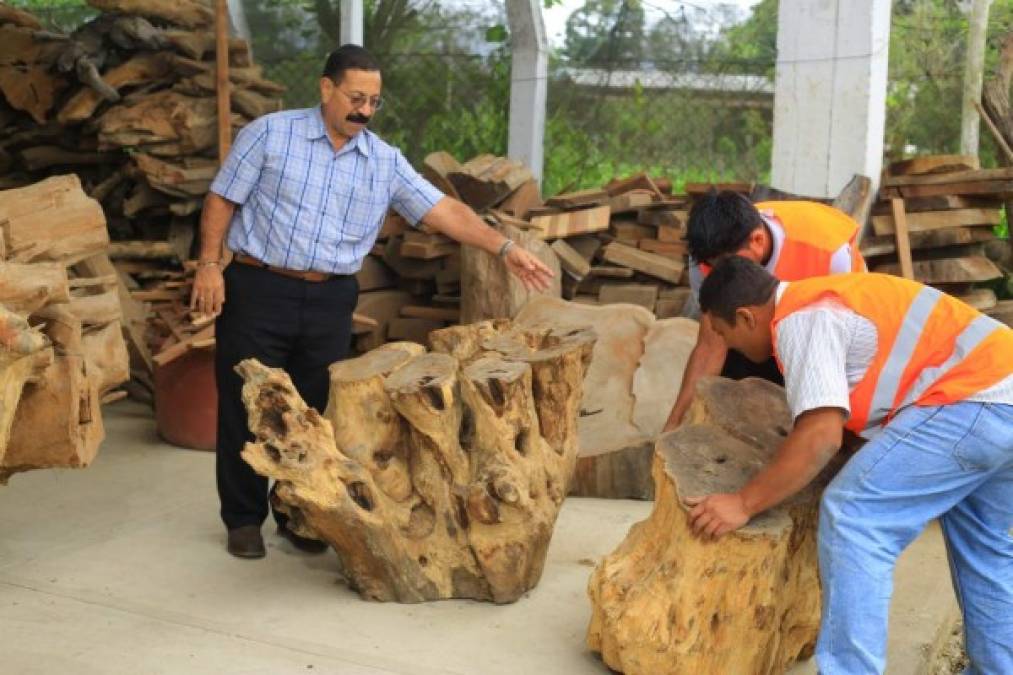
(358, 118)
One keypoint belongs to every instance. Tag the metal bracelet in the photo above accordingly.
(205, 263)
(505, 247)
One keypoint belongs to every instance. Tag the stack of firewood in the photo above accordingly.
(935, 223)
(62, 351)
(126, 101)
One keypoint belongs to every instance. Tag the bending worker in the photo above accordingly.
(793, 240)
(929, 382)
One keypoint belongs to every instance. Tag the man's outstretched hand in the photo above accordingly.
(715, 515)
(532, 272)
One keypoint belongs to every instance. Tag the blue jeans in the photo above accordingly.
(952, 462)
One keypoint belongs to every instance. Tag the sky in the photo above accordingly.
(555, 18)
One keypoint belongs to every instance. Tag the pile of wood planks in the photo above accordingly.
(935, 223)
(62, 351)
(127, 102)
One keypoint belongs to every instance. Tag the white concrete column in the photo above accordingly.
(352, 18)
(829, 93)
(528, 83)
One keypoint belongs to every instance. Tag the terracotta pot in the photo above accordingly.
(186, 400)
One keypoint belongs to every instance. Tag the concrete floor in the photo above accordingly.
(120, 568)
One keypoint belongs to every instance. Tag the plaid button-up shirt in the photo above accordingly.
(304, 206)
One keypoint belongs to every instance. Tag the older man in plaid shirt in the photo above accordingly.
(302, 196)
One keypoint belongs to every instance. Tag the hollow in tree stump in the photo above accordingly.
(666, 601)
(433, 475)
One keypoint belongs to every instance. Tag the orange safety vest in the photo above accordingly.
(933, 349)
(813, 232)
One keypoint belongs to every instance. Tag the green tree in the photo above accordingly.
(606, 32)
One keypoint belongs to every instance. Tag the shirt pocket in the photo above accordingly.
(367, 206)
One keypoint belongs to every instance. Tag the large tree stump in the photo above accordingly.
(666, 601)
(433, 475)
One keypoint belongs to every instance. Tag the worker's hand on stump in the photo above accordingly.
(208, 293)
(530, 270)
(715, 515)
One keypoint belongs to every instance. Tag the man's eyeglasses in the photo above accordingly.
(358, 100)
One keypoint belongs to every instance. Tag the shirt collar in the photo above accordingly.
(315, 129)
(781, 288)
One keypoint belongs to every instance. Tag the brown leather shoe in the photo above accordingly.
(246, 542)
(304, 544)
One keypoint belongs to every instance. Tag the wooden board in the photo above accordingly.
(436, 168)
(979, 175)
(579, 199)
(929, 164)
(672, 234)
(948, 270)
(630, 231)
(570, 223)
(652, 264)
(935, 220)
(939, 203)
(994, 188)
(901, 234)
(522, 200)
(669, 249)
(671, 218)
(572, 262)
(929, 239)
(630, 202)
(645, 295)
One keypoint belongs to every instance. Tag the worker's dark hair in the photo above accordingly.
(348, 57)
(735, 282)
(720, 223)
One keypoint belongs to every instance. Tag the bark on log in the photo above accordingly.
(431, 477)
(666, 601)
(141, 68)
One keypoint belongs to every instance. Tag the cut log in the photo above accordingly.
(570, 223)
(670, 307)
(140, 69)
(27, 79)
(629, 390)
(52, 220)
(639, 181)
(935, 220)
(663, 217)
(24, 354)
(948, 270)
(669, 249)
(57, 423)
(487, 180)
(651, 264)
(41, 157)
(27, 288)
(413, 329)
(982, 299)
(451, 487)
(186, 13)
(374, 275)
(197, 44)
(631, 232)
(855, 199)
(489, 291)
(186, 123)
(608, 272)
(668, 602)
(437, 167)
(190, 177)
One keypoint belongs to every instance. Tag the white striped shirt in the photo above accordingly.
(825, 349)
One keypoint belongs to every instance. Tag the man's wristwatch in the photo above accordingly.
(505, 247)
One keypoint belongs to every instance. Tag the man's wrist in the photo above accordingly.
(505, 247)
(217, 262)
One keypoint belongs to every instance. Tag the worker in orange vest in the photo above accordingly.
(929, 382)
(793, 240)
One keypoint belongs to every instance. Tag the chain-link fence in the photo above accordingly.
(687, 110)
